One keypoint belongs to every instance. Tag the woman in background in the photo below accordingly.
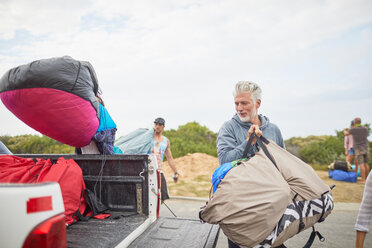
(349, 147)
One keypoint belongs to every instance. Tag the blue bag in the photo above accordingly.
(221, 171)
(353, 168)
(340, 175)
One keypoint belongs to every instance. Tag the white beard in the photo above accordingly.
(248, 118)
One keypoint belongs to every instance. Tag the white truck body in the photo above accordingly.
(23, 207)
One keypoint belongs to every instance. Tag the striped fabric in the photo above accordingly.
(308, 209)
(365, 212)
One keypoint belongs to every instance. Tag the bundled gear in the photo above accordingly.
(340, 175)
(340, 165)
(136, 142)
(342, 171)
(263, 200)
(58, 98)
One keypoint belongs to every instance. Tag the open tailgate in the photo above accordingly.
(178, 232)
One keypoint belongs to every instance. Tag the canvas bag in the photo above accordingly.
(311, 197)
(253, 196)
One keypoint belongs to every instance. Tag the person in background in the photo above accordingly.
(160, 146)
(348, 145)
(365, 214)
(361, 147)
(233, 135)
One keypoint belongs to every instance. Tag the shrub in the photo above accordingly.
(192, 138)
(323, 152)
(35, 144)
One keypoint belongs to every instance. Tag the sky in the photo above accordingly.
(181, 59)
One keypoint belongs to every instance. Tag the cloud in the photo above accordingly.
(180, 59)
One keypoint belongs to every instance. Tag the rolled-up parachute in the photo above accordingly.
(136, 142)
(56, 97)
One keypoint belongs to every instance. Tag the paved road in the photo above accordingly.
(338, 228)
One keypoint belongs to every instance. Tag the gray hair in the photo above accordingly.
(248, 87)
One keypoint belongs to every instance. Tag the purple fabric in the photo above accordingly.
(105, 141)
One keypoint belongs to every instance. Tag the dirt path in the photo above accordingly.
(196, 172)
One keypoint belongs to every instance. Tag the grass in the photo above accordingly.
(344, 191)
(196, 188)
(318, 167)
(200, 186)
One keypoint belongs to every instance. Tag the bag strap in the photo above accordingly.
(264, 148)
(248, 147)
(314, 233)
(312, 237)
(77, 213)
(321, 219)
(262, 141)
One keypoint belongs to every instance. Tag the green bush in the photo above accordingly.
(192, 138)
(34, 144)
(320, 151)
(295, 144)
(323, 152)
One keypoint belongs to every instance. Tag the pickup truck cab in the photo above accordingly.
(127, 184)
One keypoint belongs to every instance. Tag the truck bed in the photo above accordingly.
(178, 232)
(121, 182)
(104, 233)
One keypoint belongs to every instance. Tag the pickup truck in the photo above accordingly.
(127, 184)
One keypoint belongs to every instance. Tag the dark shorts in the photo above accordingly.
(164, 188)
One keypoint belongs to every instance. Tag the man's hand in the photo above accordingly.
(254, 129)
(175, 177)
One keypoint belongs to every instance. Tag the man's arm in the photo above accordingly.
(281, 140)
(229, 150)
(274, 134)
(227, 147)
(168, 155)
(346, 144)
(352, 130)
(359, 241)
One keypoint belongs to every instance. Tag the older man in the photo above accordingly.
(233, 135)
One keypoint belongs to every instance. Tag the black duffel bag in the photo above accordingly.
(341, 165)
